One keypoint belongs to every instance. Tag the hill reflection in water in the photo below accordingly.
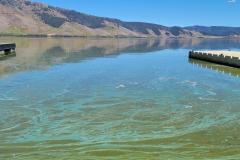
(42, 53)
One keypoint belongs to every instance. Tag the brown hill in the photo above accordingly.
(22, 17)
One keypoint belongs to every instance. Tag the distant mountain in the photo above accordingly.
(22, 17)
(216, 30)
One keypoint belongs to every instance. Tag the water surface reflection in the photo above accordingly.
(42, 53)
(117, 99)
(216, 67)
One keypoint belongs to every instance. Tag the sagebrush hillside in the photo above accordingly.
(22, 17)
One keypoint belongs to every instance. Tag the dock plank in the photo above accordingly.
(224, 53)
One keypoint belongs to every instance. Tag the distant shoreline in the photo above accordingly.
(76, 36)
(65, 36)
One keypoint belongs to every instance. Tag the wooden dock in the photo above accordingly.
(229, 58)
(7, 47)
(7, 50)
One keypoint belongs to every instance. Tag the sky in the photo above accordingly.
(164, 12)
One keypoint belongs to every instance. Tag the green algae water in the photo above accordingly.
(117, 99)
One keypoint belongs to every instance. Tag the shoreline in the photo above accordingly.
(120, 37)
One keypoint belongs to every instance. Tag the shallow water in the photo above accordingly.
(117, 99)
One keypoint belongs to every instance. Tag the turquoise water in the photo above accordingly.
(117, 99)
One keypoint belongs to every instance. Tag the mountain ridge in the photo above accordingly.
(24, 18)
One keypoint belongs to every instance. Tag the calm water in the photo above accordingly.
(117, 99)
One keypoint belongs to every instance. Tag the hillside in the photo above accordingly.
(22, 17)
(216, 30)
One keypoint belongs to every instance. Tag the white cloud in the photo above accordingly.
(232, 1)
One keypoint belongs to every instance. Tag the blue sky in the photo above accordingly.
(165, 12)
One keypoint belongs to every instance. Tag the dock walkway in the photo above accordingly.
(229, 58)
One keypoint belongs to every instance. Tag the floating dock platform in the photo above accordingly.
(228, 58)
(7, 49)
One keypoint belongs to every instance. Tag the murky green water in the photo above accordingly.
(117, 99)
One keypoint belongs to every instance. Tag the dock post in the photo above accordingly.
(7, 51)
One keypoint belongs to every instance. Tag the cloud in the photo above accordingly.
(232, 1)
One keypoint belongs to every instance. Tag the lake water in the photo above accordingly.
(117, 99)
